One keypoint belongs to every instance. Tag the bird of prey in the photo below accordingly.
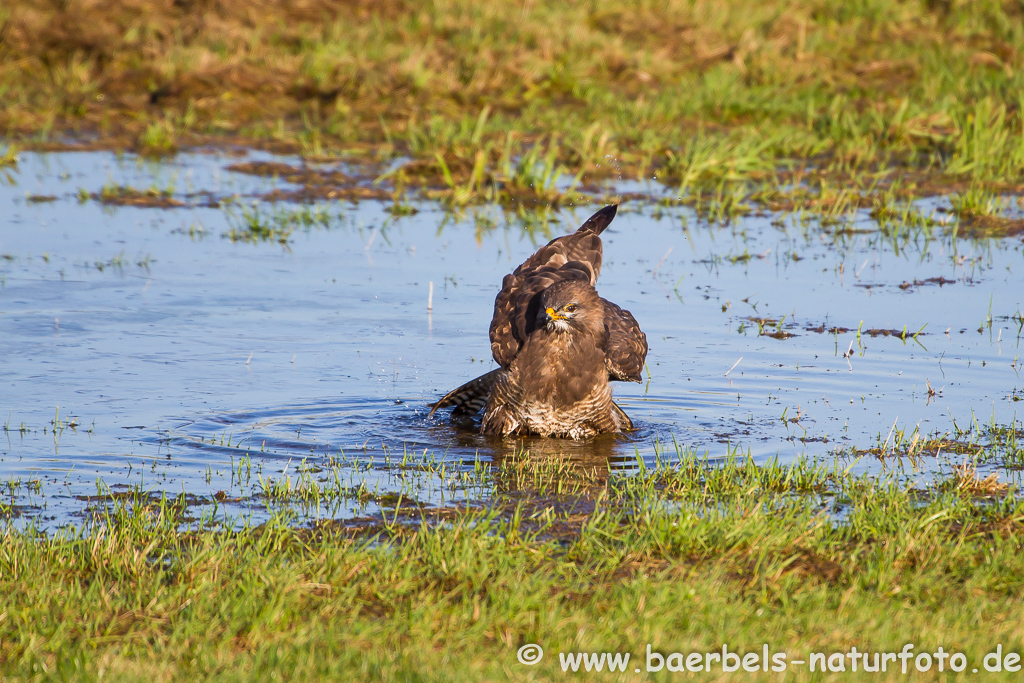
(557, 344)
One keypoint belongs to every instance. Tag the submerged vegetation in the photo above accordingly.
(255, 224)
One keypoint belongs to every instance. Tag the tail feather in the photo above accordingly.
(626, 423)
(471, 397)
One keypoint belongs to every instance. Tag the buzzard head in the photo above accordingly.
(571, 306)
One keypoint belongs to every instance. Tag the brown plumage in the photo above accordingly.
(558, 344)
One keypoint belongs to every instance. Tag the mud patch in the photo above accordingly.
(121, 195)
(940, 281)
(992, 226)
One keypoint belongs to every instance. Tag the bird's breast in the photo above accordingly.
(560, 368)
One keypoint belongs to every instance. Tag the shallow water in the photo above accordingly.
(178, 352)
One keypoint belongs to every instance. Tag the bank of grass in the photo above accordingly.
(686, 556)
(698, 94)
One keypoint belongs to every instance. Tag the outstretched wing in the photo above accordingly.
(626, 349)
(570, 257)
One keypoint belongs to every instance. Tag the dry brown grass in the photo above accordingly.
(703, 95)
(966, 480)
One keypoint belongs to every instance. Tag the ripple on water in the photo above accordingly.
(186, 351)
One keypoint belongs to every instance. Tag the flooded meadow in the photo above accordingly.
(201, 328)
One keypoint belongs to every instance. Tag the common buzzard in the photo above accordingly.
(558, 344)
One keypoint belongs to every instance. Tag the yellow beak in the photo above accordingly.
(554, 316)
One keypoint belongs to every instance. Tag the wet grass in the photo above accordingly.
(119, 262)
(122, 195)
(9, 157)
(685, 556)
(814, 105)
(256, 223)
(824, 113)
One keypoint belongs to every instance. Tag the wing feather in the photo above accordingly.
(570, 257)
(626, 349)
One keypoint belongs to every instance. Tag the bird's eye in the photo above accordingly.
(571, 308)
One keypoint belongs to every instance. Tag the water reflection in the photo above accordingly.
(176, 351)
